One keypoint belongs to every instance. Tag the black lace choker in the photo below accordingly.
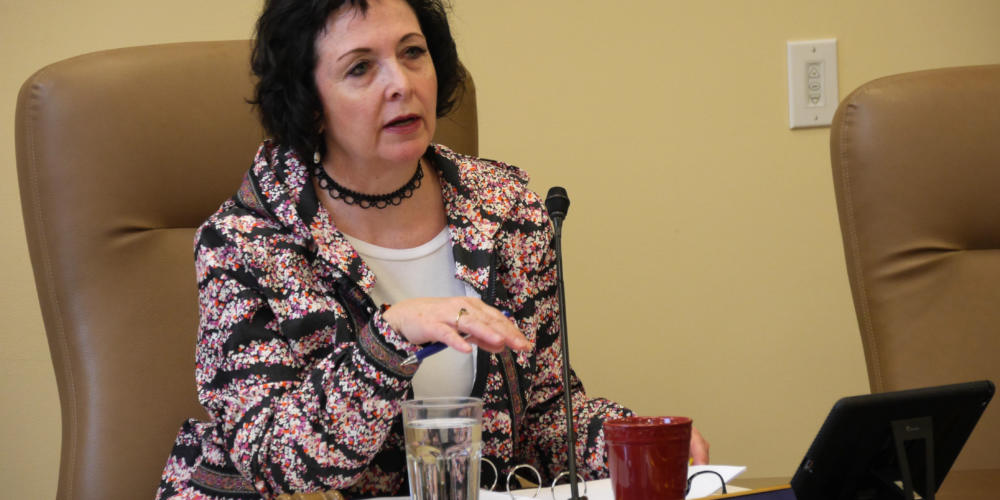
(362, 200)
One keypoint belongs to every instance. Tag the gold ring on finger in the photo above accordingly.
(461, 312)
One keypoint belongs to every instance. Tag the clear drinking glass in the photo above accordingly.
(443, 447)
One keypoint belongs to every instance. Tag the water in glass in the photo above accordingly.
(442, 456)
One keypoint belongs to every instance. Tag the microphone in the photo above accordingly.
(557, 204)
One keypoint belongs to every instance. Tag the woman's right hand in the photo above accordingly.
(440, 319)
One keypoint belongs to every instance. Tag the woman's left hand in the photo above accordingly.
(699, 448)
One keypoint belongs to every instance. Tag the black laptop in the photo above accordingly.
(890, 445)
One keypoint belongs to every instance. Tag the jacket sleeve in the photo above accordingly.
(302, 398)
(544, 436)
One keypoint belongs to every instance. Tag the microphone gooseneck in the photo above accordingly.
(557, 204)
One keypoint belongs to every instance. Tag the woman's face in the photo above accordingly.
(377, 83)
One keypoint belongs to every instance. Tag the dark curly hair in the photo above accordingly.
(284, 59)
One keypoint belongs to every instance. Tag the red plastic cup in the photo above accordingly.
(648, 457)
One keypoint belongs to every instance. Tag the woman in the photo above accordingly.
(301, 347)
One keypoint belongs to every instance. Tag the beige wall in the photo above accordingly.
(704, 265)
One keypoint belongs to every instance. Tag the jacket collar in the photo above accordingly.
(478, 195)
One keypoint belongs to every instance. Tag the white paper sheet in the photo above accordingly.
(702, 486)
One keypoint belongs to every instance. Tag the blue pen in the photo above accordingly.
(431, 349)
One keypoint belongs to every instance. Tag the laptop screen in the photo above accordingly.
(872, 446)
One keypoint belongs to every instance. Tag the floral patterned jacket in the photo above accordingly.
(302, 376)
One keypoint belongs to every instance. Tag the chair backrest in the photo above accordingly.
(121, 155)
(916, 166)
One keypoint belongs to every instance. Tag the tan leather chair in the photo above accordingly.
(120, 155)
(916, 165)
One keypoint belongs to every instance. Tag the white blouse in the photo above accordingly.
(427, 270)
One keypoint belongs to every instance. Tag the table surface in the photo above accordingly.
(959, 485)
